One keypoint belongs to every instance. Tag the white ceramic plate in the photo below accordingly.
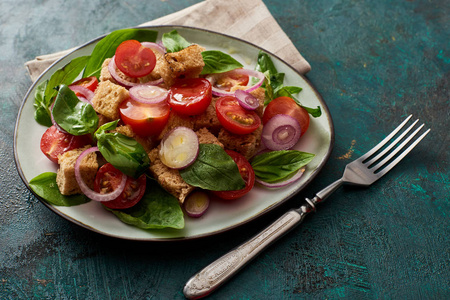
(221, 216)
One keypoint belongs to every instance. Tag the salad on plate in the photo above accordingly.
(154, 131)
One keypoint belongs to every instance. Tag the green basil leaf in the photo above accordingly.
(315, 112)
(123, 152)
(41, 105)
(74, 116)
(276, 166)
(157, 209)
(65, 75)
(106, 47)
(174, 42)
(265, 64)
(44, 185)
(218, 62)
(213, 170)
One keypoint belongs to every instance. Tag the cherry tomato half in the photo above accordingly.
(234, 117)
(107, 180)
(55, 142)
(144, 119)
(88, 82)
(247, 173)
(134, 60)
(287, 106)
(190, 96)
(230, 79)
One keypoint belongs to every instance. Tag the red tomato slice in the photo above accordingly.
(247, 173)
(230, 79)
(88, 82)
(287, 106)
(134, 60)
(190, 96)
(107, 180)
(144, 119)
(234, 117)
(55, 142)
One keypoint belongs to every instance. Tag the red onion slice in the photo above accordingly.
(294, 178)
(246, 100)
(154, 47)
(179, 148)
(112, 68)
(148, 94)
(196, 204)
(87, 190)
(281, 132)
(252, 73)
(86, 94)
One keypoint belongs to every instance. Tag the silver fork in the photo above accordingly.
(362, 172)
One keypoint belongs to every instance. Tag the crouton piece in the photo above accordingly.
(208, 119)
(65, 176)
(247, 144)
(187, 63)
(107, 98)
(147, 143)
(259, 94)
(105, 75)
(170, 179)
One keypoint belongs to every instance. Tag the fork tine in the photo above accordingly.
(397, 140)
(386, 139)
(402, 155)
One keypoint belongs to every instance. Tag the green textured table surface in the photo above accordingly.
(374, 62)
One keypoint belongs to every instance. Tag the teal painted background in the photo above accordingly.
(374, 62)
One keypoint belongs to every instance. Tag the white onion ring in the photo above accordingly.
(112, 68)
(252, 73)
(87, 190)
(86, 94)
(283, 183)
(196, 204)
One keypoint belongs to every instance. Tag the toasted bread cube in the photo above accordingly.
(65, 176)
(105, 75)
(170, 179)
(107, 98)
(187, 63)
(246, 144)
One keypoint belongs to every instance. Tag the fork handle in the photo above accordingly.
(219, 271)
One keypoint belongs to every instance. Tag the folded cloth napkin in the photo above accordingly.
(249, 20)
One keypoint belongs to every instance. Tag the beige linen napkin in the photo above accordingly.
(246, 19)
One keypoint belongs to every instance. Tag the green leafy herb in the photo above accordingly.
(106, 47)
(275, 87)
(45, 91)
(214, 170)
(123, 152)
(44, 185)
(218, 62)
(276, 166)
(174, 42)
(74, 116)
(42, 105)
(157, 209)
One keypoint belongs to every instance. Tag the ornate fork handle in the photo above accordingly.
(218, 272)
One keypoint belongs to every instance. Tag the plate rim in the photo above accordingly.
(313, 175)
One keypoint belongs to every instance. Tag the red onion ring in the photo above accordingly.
(246, 100)
(112, 68)
(283, 183)
(179, 155)
(86, 94)
(87, 190)
(148, 94)
(252, 73)
(196, 204)
(154, 47)
(281, 132)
